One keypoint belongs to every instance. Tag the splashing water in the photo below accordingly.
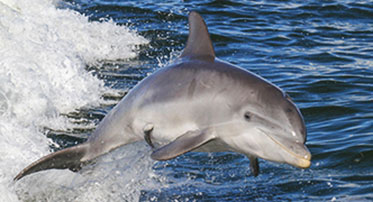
(43, 54)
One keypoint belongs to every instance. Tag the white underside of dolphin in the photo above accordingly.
(198, 103)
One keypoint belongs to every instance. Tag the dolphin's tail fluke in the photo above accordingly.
(67, 158)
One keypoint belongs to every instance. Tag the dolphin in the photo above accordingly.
(197, 103)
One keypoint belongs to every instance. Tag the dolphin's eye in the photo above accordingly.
(247, 116)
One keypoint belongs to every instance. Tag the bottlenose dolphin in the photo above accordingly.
(198, 103)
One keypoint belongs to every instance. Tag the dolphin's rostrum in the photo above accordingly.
(198, 103)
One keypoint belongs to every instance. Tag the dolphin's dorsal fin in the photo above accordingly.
(199, 43)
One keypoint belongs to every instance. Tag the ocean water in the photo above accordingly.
(65, 64)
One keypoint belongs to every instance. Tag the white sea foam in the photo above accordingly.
(43, 54)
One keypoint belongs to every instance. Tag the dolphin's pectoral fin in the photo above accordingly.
(66, 158)
(254, 165)
(76, 168)
(147, 133)
(148, 139)
(184, 143)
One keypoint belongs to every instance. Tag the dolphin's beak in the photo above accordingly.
(295, 153)
(304, 163)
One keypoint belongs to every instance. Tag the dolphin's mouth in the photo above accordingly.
(302, 157)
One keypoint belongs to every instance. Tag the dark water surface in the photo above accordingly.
(320, 52)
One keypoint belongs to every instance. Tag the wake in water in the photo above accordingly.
(43, 55)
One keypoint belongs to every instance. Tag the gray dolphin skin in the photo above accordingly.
(198, 103)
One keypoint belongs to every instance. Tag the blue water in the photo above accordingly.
(319, 52)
